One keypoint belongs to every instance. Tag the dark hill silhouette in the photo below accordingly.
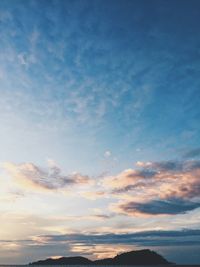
(138, 257)
(64, 261)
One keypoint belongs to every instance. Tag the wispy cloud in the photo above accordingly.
(32, 176)
(93, 195)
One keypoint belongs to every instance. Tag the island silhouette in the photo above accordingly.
(138, 257)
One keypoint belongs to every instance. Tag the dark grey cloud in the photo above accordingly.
(151, 238)
(192, 153)
(172, 165)
(155, 207)
(147, 173)
(168, 165)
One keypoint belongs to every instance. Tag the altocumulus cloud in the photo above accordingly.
(157, 188)
(32, 176)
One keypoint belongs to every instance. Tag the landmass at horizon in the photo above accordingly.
(138, 257)
(100, 129)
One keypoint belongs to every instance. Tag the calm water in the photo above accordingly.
(13, 265)
(5, 265)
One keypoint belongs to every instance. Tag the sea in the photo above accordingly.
(35, 265)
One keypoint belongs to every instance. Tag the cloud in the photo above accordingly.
(100, 251)
(92, 217)
(158, 207)
(160, 179)
(167, 165)
(127, 178)
(192, 153)
(94, 195)
(26, 59)
(170, 165)
(167, 187)
(107, 154)
(32, 176)
(151, 238)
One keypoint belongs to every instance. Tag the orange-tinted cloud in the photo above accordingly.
(170, 187)
(29, 175)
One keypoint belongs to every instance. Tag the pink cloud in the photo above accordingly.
(29, 175)
(174, 186)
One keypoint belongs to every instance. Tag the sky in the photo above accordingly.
(100, 132)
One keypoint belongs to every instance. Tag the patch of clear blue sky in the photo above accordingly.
(124, 74)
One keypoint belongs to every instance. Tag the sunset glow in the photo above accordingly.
(100, 132)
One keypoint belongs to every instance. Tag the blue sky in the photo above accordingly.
(99, 109)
